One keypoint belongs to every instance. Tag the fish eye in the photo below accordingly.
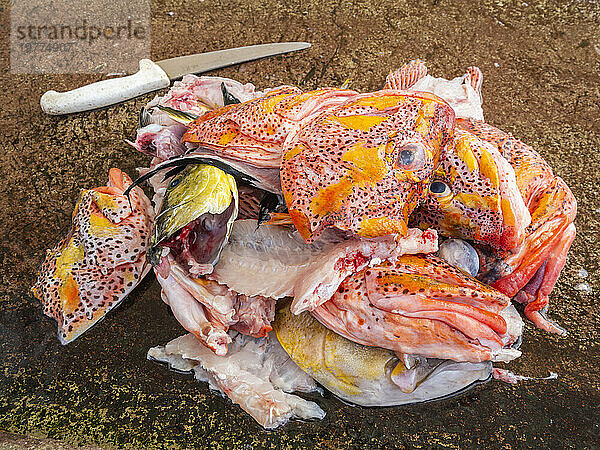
(411, 156)
(439, 189)
(175, 182)
(407, 157)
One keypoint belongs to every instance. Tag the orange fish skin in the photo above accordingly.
(344, 168)
(530, 272)
(525, 240)
(420, 305)
(338, 152)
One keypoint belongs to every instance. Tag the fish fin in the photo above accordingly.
(185, 160)
(280, 219)
(406, 76)
(474, 77)
(172, 172)
(228, 97)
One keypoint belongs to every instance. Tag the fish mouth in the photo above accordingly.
(367, 375)
(434, 379)
(409, 372)
(422, 306)
(197, 245)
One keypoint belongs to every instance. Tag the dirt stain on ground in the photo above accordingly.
(541, 62)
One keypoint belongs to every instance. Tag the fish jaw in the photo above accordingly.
(413, 294)
(344, 168)
(100, 261)
(404, 308)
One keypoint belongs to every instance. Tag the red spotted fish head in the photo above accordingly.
(101, 259)
(474, 195)
(363, 166)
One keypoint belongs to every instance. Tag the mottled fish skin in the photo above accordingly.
(474, 193)
(421, 305)
(553, 208)
(474, 196)
(530, 238)
(254, 131)
(100, 261)
(358, 162)
(363, 166)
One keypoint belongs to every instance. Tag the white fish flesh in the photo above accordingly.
(273, 261)
(256, 374)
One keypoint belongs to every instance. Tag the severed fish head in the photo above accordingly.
(474, 196)
(195, 219)
(364, 166)
(100, 261)
(423, 305)
(370, 376)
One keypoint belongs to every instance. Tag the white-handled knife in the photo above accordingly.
(153, 76)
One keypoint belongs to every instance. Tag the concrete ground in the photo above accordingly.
(541, 61)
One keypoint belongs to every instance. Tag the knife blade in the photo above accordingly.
(156, 75)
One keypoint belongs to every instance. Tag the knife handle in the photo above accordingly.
(149, 78)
